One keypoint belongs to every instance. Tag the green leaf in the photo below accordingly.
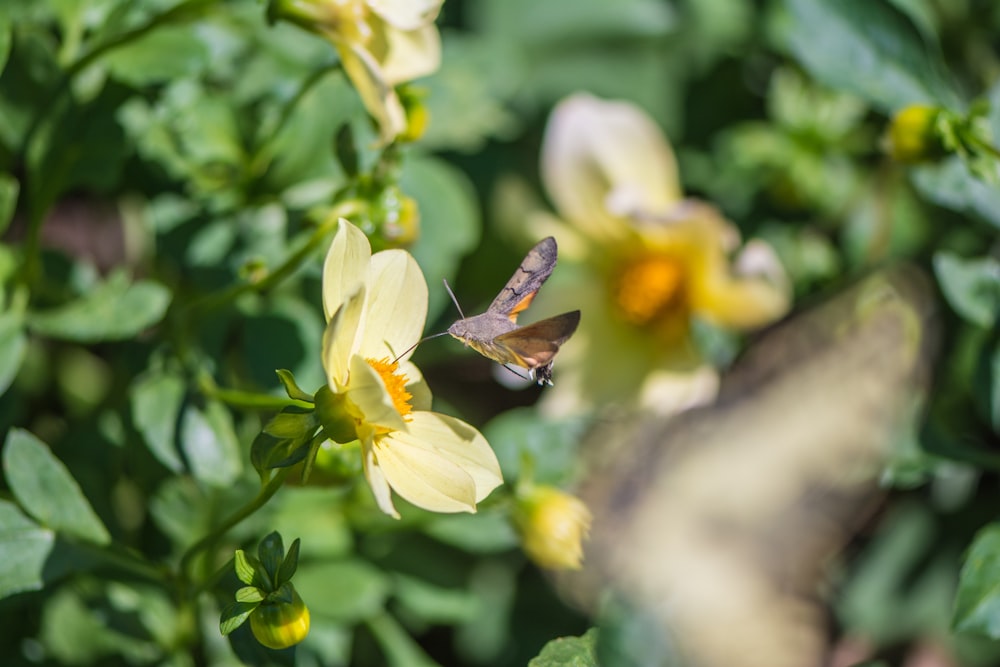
(971, 286)
(24, 550)
(569, 652)
(114, 310)
(78, 146)
(144, 61)
(234, 615)
(292, 423)
(450, 222)
(433, 604)
(482, 533)
(271, 552)
(210, 445)
(249, 594)
(46, 490)
(977, 602)
(13, 346)
(9, 189)
(156, 399)
(551, 445)
(289, 564)
(244, 567)
(268, 452)
(6, 34)
(346, 591)
(869, 48)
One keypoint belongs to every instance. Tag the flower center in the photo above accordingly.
(647, 288)
(395, 382)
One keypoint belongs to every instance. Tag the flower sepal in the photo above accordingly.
(335, 417)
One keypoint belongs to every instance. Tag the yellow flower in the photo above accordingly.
(641, 262)
(382, 43)
(375, 307)
(552, 525)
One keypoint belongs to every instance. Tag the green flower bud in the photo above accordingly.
(279, 624)
(913, 135)
(334, 413)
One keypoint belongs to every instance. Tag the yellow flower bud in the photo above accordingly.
(552, 525)
(417, 116)
(912, 135)
(279, 625)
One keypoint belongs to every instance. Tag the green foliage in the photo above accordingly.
(171, 175)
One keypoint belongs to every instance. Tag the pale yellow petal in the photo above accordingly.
(461, 444)
(345, 267)
(376, 479)
(397, 306)
(415, 384)
(339, 339)
(376, 93)
(406, 14)
(417, 472)
(597, 153)
(411, 54)
(368, 393)
(741, 303)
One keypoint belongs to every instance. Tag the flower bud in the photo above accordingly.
(279, 623)
(913, 135)
(552, 525)
(417, 116)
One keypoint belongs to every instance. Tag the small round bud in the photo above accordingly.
(280, 624)
(913, 136)
(552, 525)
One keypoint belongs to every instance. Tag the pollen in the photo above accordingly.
(395, 382)
(648, 288)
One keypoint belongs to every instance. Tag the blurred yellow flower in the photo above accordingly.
(552, 525)
(641, 262)
(375, 307)
(382, 43)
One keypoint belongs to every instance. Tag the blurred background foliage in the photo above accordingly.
(166, 173)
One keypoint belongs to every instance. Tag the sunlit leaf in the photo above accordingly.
(869, 48)
(116, 309)
(24, 549)
(156, 401)
(568, 652)
(977, 602)
(47, 491)
(343, 590)
(209, 444)
(971, 286)
(234, 615)
(13, 345)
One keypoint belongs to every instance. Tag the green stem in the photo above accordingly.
(122, 559)
(264, 495)
(250, 400)
(216, 300)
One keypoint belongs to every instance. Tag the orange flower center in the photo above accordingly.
(395, 382)
(648, 288)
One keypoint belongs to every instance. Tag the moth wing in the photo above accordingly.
(534, 270)
(536, 344)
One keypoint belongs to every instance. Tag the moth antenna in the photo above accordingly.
(453, 299)
(412, 347)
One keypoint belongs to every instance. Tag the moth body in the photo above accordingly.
(495, 333)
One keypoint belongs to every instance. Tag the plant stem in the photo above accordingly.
(264, 495)
(214, 301)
